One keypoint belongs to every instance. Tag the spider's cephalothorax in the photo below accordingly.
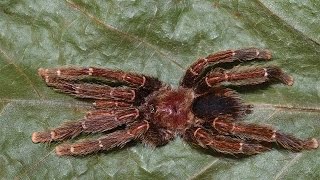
(202, 110)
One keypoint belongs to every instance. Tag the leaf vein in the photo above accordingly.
(286, 166)
(204, 169)
(124, 34)
(10, 61)
(287, 24)
(287, 107)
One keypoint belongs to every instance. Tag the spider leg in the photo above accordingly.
(221, 143)
(198, 67)
(110, 141)
(248, 76)
(93, 91)
(72, 74)
(157, 136)
(107, 104)
(95, 121)
(262, 133)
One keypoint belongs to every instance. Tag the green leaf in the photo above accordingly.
(160, 39)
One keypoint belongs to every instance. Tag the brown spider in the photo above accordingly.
(202, 111)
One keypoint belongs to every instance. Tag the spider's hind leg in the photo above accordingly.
(242, 76)
(262, 133)
(224, 144)
(196, 69)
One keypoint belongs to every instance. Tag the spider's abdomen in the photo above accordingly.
(218, 102)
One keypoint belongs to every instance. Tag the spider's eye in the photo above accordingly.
(152, 109)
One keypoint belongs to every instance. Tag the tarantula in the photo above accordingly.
(202, 110)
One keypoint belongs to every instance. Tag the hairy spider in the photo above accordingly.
(202, 111)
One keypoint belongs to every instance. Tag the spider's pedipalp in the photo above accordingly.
(198, 67)
(223, 144)
(249, 76)
(72, 74)
(110, 141)
(262, 133)
(95, 121)
(103, 120)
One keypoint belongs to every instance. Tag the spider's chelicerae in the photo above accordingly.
(202, 110)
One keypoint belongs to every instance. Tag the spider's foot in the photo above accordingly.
(63, 150)
(311, 144)
(38, 137)
(277, 73)
(296, 144)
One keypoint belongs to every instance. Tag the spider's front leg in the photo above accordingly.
(70, 81)
(95, 121)
(227, 125)
(196, 69)
(224, 144)
(248, 76)
(72, 74)
(110, 104)
(94, 91)
(110, 141)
